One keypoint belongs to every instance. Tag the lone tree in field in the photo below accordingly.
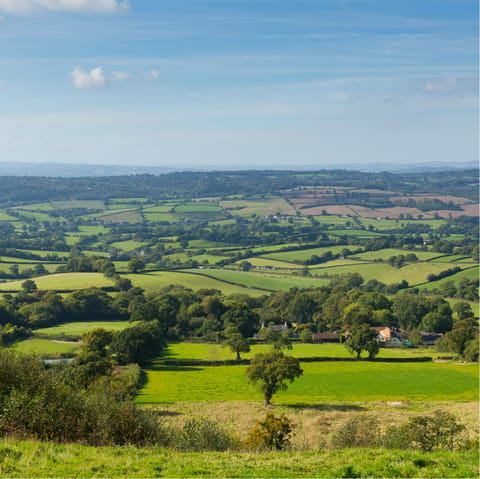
(362, 338)
(270, 371)
(236, 342)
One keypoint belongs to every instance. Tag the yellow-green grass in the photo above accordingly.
(6, 217)
(80, 328)
(470, 273)
(128, 245)
(266, 207)
(11, 259)
(160, 279)
(63, 282)
(39, 216)
(265, 281)
(158, 209)
(322, 381)
(262, 262)
(159, 217)
(453, 257)
(128, 200)
(215, 352)
(387, 253)
(212, 259)
(304, 254)
(332, 219)
(41, 459)
(271, 249)
(353, 232)
(46, 346)
(413, 273)
(92, 230)
(43, 253)
(126, 216)
(23, 266)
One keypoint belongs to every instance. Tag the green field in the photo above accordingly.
(126, 216)
(45, 346)
(302, 255)
(199, 207)
(324, 381)
(265, 281)
(266, 207)
(129, 245)
(215, 352)
(22, 458)
(470, 273)
(158, 280)
(160, 217)
(80, 328)
(63, 282)
(387, 253)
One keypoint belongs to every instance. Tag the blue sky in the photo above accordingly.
(239, 83)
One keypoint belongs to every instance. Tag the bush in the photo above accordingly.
(427, 433)
(358, 431)
(200, 434)
(270, 433)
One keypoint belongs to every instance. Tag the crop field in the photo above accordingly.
(302, 255)
(80, 328)
(265, 207)
(324, 381)
(63, 282)
(158, 209)
(264, 281)
(158, 280)
(445, 198)
(45, 346)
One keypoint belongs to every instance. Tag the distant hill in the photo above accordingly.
(85, 169)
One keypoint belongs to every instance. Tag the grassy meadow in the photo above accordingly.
(321, 382)
(80, 328)
(38, 459)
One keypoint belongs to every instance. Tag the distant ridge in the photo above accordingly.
(68, 170)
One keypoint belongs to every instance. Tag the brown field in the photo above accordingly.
(472, 209)
(330, 209)
(392, 213)
(313, 425)
(445, 198)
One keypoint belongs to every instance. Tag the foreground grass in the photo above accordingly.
(325, 381)
(36, 459)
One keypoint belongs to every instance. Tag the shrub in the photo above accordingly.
(270, 433)
(200, 434)
(358, 431)
(427, 433)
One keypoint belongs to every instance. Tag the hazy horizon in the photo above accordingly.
(212, 84)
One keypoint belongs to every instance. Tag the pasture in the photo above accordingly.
(323, 381)
(46, 347)
(158, 280)
(63, 282)
(268, 282)
(385, 254)
(304, 254)
(23, 458)
(265, 207)
(80, 328)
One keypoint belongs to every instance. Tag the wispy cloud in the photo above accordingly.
(452, 85)
(120, 76)
(31, 7)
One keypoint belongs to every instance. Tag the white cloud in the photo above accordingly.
(93, 79)
(120, 76)
(150, 75)
(29, 7)
(442, 84)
